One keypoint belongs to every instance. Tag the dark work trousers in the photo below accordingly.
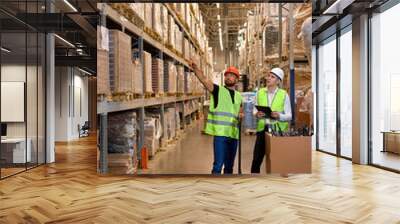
(259, 152)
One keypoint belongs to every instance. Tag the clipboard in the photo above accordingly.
(267, 111)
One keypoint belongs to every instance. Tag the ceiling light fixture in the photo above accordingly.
(217, 5)
(65, 41)
(220, 39)
(70, 5)
(5, 49)
(218, 17)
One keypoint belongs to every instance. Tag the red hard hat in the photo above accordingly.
(234, 70)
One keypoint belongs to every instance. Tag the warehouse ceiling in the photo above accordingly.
(233, 16)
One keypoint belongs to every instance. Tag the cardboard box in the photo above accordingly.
(286, 155)
(164, 22)
(157, 73)
(157, 18)
(103, 78)
(120, 59)
(148, 15)
(147, 72)
(137, 77)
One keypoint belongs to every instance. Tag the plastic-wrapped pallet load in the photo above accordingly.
(181, 80)
(138, 8)
(178, 39)
(171, 31)
(147, 72)
(103, 81)
(172, 78)
(152, 134)
(164, 22)
(170, 120)
(120, 62)
(186, 49)
(157, 25)
(148, 15)
(122, 128)
(137, 77)
(157, 75)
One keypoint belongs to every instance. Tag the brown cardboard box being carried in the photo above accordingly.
(286, 155)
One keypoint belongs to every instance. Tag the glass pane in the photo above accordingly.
(346, 94)
(41, 98)
(13, 87)
(31, 98)
(327, 96)
(385, 85)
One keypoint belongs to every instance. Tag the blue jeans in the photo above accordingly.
(224, 154)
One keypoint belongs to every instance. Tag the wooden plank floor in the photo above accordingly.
(71, 191)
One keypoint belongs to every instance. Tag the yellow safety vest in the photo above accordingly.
(277, 105)
(224, 119)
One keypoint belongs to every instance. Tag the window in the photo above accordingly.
(385, 89)
(327, 96)
(346, 93)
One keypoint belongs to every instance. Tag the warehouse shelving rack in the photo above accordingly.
(103, 108)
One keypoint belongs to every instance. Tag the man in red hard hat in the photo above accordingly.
(223, 118)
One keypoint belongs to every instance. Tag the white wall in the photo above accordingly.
(71, 94)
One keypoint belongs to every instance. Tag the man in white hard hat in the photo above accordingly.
(278, 100)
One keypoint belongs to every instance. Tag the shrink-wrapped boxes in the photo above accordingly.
(172, 72)
(152, 134)
(178, 39)
(157, 19)
(148, 15)
(120, 55)
(138, 8)
(157, 76)
(186, 49)
(147, 72)
(164, 23)
(171, 31)
(103, 78)
(181, 80)
(137, 77)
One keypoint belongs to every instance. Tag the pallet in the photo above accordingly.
(180, 94)
(149, 95)
(124, 96)
(171, 94)
(250, 132)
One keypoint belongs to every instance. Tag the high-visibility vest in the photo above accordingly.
(277, 105)
(224, 119)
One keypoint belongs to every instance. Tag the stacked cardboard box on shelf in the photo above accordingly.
(138, 8)
(181, 80)
(147, 72)
(137, 77)
(164, 22)
(120, 61)
(170, 76)
(178, 39)
(186, 49)
(157, 21)
(171, 31)
(103, 81)
(148, 15)
(157, 75)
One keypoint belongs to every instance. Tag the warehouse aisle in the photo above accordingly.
(193, 154)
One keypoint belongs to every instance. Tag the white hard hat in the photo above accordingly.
(278, 72)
